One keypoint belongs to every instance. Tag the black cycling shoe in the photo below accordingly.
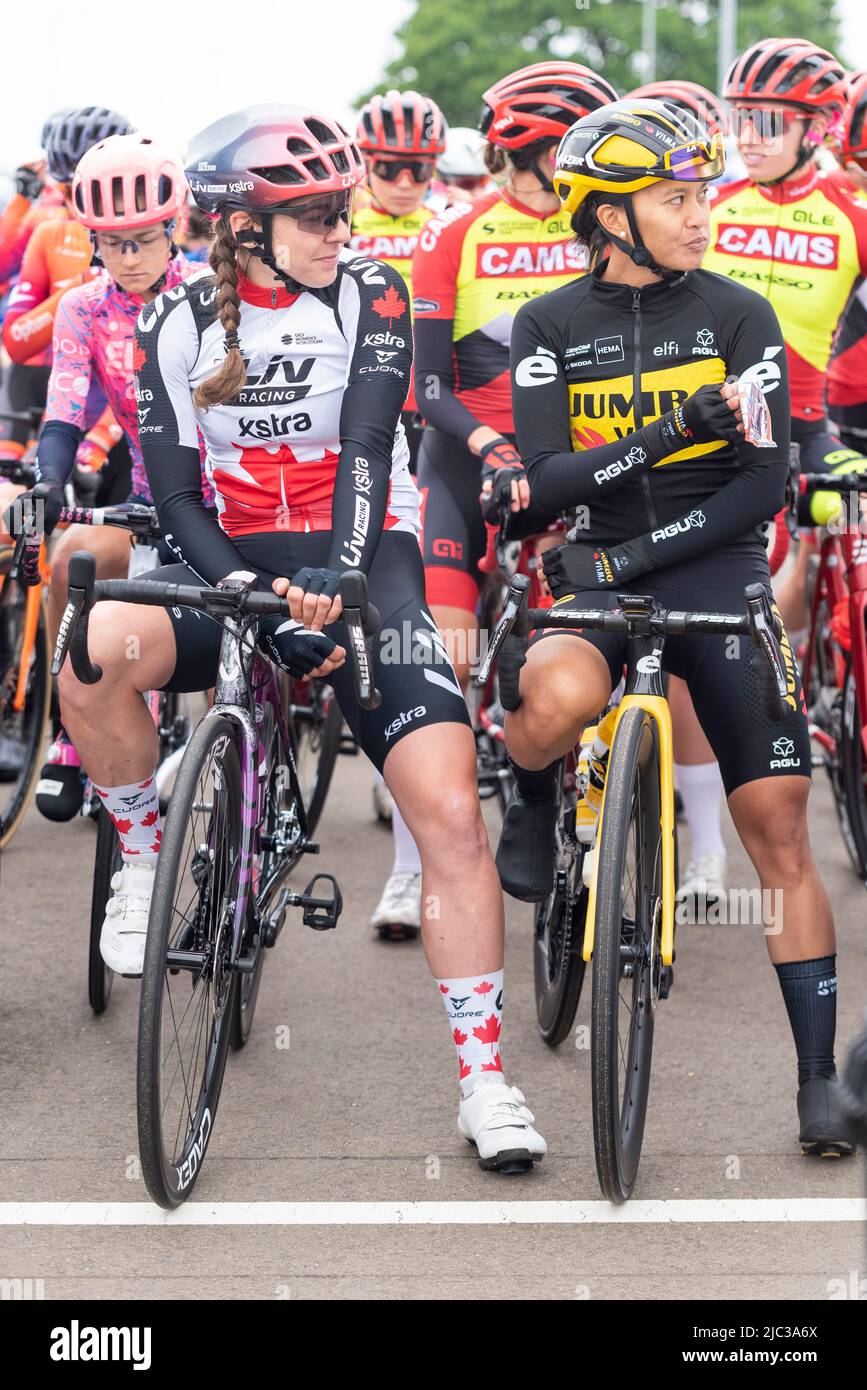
(525, 855)
(825, 1126)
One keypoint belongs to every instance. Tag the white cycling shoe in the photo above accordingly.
(704, 881)
(124, 931)
(496, 1119)
(397, 915)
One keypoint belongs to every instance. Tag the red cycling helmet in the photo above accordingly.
(704, 105)
(541, 102)
(401, 123)
(787, 72)
(264, 158)
(853, 141)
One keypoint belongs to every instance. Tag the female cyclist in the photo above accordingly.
(276, 358)
(127, 193)
(796, 238)
(676, 499)
(58, 256)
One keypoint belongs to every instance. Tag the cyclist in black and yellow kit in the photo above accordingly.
(619, 387)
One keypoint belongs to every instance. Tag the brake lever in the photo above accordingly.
(362, 624)
(73, 631)
(765, 634)
(513, 619)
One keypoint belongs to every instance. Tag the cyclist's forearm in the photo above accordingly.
(55, 457)
(435, 380)
(192, 534)
(562, 480)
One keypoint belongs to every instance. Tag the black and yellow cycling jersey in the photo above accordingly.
(594, 363)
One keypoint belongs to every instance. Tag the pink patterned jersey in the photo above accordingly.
(94, 333)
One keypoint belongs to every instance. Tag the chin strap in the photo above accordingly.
(260, 245)
(536, 169)
(637, 251)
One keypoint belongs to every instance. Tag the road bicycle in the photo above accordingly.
(236, 829)
(626, 915)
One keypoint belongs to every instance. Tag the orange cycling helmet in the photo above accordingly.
(704, 105)
(401, 123)
(128, 181)
(853, 140)
(541, 102)
(787, 72)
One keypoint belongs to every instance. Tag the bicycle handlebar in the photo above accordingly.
(640, 615)
(136, 517)
(84, 590)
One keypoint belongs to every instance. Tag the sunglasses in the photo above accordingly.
(698, 160)
(768, 122)
(421, 170)
(321, 215)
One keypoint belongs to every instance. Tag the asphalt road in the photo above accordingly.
(361, 1108)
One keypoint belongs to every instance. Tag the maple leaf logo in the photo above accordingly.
(139, 357)
(100, 793)
(484, 988)
(151, 818)
(155, 847)
(496, 1065)
(464, 1068)
(459, 1037)
(444, 989)
(143, 786)
(123, 826)
(389, 305)
(489, 1032)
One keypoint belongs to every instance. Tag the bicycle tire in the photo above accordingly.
(326, 725)
(558, 965)
(107, 861)
(171, 1178)
(36, 711)
(853, 773)
(632, 805)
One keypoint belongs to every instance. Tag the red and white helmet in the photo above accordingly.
(128, 181)
(704, 104)
(541, 101)
(401, 123)
(263, 158)
(785, 72)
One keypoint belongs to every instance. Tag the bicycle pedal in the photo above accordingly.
(348, 746)
(319, 913)
(310, 847)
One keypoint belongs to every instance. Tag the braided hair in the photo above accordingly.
(232, 374)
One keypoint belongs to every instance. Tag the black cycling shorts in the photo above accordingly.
(412, 671)
(453, 529)
(720, 671)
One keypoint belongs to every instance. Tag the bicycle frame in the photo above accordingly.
(242, 668)
(842, 577)
(644, 689)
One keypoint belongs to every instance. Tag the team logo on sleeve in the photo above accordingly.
(389, 305)
(537, 369)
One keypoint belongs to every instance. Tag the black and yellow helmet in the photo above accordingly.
(630, 144)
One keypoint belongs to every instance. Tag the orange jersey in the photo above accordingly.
(804, 247)
(58, 256)
(19, 221)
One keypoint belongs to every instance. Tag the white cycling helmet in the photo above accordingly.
(463, 154)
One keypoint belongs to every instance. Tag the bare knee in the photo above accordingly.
(778, 842)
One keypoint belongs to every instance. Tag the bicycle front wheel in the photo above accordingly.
(626, 960)
(187, 1000)
(107, 862)
(853, 773)
(22, 725)
(317, 724)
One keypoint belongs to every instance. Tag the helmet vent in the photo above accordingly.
(316, 168)
(295, 145)
(319, 130)
(165, 189)
(96, 196)
(117, 196)
(341, 163)
(141, 194)
(280, 174)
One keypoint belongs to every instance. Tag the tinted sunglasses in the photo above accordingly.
(768, 122)
(421, 170)
(321, 214)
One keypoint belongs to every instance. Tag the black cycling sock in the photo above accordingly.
(810, 992)
(538, 786)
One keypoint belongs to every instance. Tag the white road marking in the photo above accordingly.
(788, 1209)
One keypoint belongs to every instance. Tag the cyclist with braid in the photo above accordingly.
(795, 237)
(676, 499)
(274, 358)
(127, 192)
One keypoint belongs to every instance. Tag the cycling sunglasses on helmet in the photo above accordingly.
(321, 214)
(420, 170)
(698, 160)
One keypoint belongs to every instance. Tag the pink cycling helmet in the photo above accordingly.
(128, 181)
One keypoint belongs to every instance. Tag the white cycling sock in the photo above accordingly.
(700, 787)
(474, 1004)
(406, 857)
(135, 810)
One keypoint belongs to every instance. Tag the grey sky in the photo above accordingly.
(200, 60)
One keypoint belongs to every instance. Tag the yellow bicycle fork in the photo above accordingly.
(657, 708)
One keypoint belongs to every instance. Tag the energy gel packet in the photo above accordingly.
(755, 415)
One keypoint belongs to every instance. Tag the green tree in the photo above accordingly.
(454, 50)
